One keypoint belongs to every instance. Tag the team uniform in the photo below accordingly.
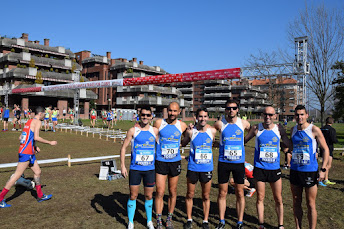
(231, 152)
(54, 115)
(200, 160)
(27, 145)
(93, 114)
(109, 116)
(6, 114)
(267, 154)
(168, 159)
(143, 158)
(46, 117)
(304, 165)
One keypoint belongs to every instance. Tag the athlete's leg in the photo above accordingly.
(297, 207)
(149, 202)
(328, 167)
(17, 174)
(311, 195)
(221, 199)
(160, 191)
(37, 178)
(131, 205)
(260, 187)
(240, 201)
(206, 199)
(172, 189)
(189, 198)
(277, 192)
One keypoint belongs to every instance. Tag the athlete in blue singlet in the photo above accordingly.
(168, 161)
(109, 118)
(304, 166)
(143, 139)
(267, 162)
(231, 160)
(200, 164)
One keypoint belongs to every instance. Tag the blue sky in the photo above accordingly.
(179, 36)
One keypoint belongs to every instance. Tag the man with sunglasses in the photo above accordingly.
(304, 173)
(143, 139)
(200, 164)
(168, 161)
(267, 162)
(231, 160)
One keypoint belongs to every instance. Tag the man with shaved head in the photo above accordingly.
(267, 162)
(168, 161)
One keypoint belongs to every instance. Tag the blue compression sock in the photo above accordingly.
(149, 209)
(131, 207)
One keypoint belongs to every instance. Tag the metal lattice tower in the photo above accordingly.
(299, 69)
(76, 76)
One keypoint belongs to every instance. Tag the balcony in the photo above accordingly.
(216, 109)
(185, 89)
(150, 88)
(154, 101)
(218, 88)
(218, 95)
(188, 96)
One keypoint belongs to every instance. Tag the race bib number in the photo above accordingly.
(170, 151)
(144, 157)
(203, 156)
(233, 153)
(268, 154)
(301, 156)
(22, 138)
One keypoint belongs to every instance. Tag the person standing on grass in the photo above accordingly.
(143, 139)
(93, 117)
(54, 117)
(168, 162)
(267, 162)
(200, 164)
(47, 117)
(231, 160)
(27, 157)
(331, 137)
(304, 173)
(6, 116)
(108, 118)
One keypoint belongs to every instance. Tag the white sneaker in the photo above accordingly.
(251, 192)
(130, 225)
(150, 225)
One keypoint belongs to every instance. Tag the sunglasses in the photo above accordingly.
(267, 114)
(147, 115)
(231, 108)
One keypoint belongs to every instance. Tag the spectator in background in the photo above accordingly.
(6, 116)
(331, 137)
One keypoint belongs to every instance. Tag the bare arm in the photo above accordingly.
(246, 125)
(183, 126)
(157, 123)
(326, 152)
(251, 134)
(36, 127)
(284, 137)
(218, 125)
(187, 137)
(127, 140)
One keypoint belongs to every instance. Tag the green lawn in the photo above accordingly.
(80, 200)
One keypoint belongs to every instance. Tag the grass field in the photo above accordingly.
(80, 200)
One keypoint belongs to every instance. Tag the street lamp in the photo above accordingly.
(109, 103)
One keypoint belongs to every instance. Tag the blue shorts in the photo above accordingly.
(46, 118)
(54, 119)
(148, 177)
(27, 157)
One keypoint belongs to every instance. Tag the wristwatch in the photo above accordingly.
(323, 169)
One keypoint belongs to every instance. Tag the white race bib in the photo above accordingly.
(233, 152)
(203, 156)
(170, 151)
(301, 156)
(268, 154)
(22, 138)
(144, 157)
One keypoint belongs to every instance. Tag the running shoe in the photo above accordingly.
(322, 184)
(220, 226)
(150, 225)
(130, 225)
(3, 204)
(169, 224)
(251, 192)
(205, 225)
(188, 225)
(240, 226)
(328, 182)
(44, 197)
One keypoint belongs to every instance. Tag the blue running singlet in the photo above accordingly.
(143, 150)
(232, 148)
(304, 150)
(201, 155)
(169, 142)
(267, 148)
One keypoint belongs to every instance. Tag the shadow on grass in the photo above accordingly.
(21, 190)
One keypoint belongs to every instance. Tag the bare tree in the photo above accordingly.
(325, 30)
